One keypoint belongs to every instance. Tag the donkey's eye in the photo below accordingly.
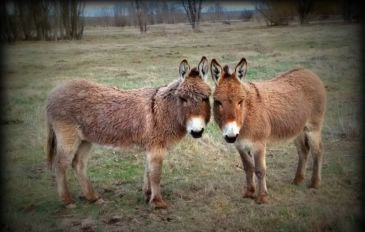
(206, 99)
(218, 103)
(183, 99)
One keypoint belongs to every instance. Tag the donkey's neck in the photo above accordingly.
(167, 129)
(254, 94)
(256, 110)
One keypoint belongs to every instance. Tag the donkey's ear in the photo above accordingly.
(215, 70)
(184, 69)
(241, 69)
(203, 68)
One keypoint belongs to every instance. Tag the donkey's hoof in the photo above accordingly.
(315, 185)
(93, 199)
(100, 201)
(69, 202)
(298, 180)
(158, 204)
(70, 206)
(147, 196)
(249, 194)
(262, 199)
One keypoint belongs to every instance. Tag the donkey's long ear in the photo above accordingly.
(215, 70)
(184, 69)
(241, 69)
(203, 68)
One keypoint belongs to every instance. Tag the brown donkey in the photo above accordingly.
(82, 112)
(252, 114)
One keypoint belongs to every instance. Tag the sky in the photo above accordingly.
(96, 8)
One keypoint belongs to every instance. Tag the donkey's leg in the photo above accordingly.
(302, 145)
(155, 159)
(79, 164)
(147, 182)
(67, 144)
(249, 168)
(315, 143)
(260, 171)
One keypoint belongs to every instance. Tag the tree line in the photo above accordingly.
(41, 20)
(282, 12)
(141, 13)
(57, 20)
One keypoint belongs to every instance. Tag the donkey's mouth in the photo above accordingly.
(197, 134)
(230, 139)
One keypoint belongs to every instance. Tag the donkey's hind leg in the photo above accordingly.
(315, 144)
(67, 144)
(79, 164)
(313, 133)
(302, 145)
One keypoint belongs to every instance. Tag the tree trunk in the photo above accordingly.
(304, 8)
(193, 12)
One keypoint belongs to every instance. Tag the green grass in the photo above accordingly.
(202, 179)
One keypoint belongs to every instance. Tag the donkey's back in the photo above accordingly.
(85, 106)
(293, 100)
(298, 79)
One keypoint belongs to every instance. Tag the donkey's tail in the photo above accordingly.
(50, 145)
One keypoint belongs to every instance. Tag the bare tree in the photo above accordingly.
(168, 12)
(216, 12)
(246, 15)
(165, 13)
(73, 23)
(24, 13)
(351, 11)
(40, 14)
(8, 25)
(121, 17)
(141, 15)
(304, 8)
(58, 29)
(275, 12)
(107, 16)
(193, 10)
(42, 20)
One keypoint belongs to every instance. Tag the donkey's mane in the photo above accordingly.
(258, 95)
(168, 90)
(194, 72)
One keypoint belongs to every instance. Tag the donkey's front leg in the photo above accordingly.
(154, 162)
(260, 171)
(147, 182)
(249, 168)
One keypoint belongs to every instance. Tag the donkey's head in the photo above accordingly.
(193, 97)
(229, 98)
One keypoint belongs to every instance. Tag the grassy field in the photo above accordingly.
(202, 179)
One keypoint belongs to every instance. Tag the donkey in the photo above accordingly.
(82, 112)
(254, 114)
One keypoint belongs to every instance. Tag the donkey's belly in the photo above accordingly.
(287, 128)
(115, 135)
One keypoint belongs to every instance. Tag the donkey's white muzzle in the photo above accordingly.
(230, 132)
(195, 126)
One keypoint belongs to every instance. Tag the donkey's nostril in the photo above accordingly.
(197, 134)
(230, 139)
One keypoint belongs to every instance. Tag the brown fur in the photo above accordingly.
(82, 112)
(292, 105)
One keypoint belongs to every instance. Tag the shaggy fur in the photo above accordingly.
(82, 112)
(292, 105)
